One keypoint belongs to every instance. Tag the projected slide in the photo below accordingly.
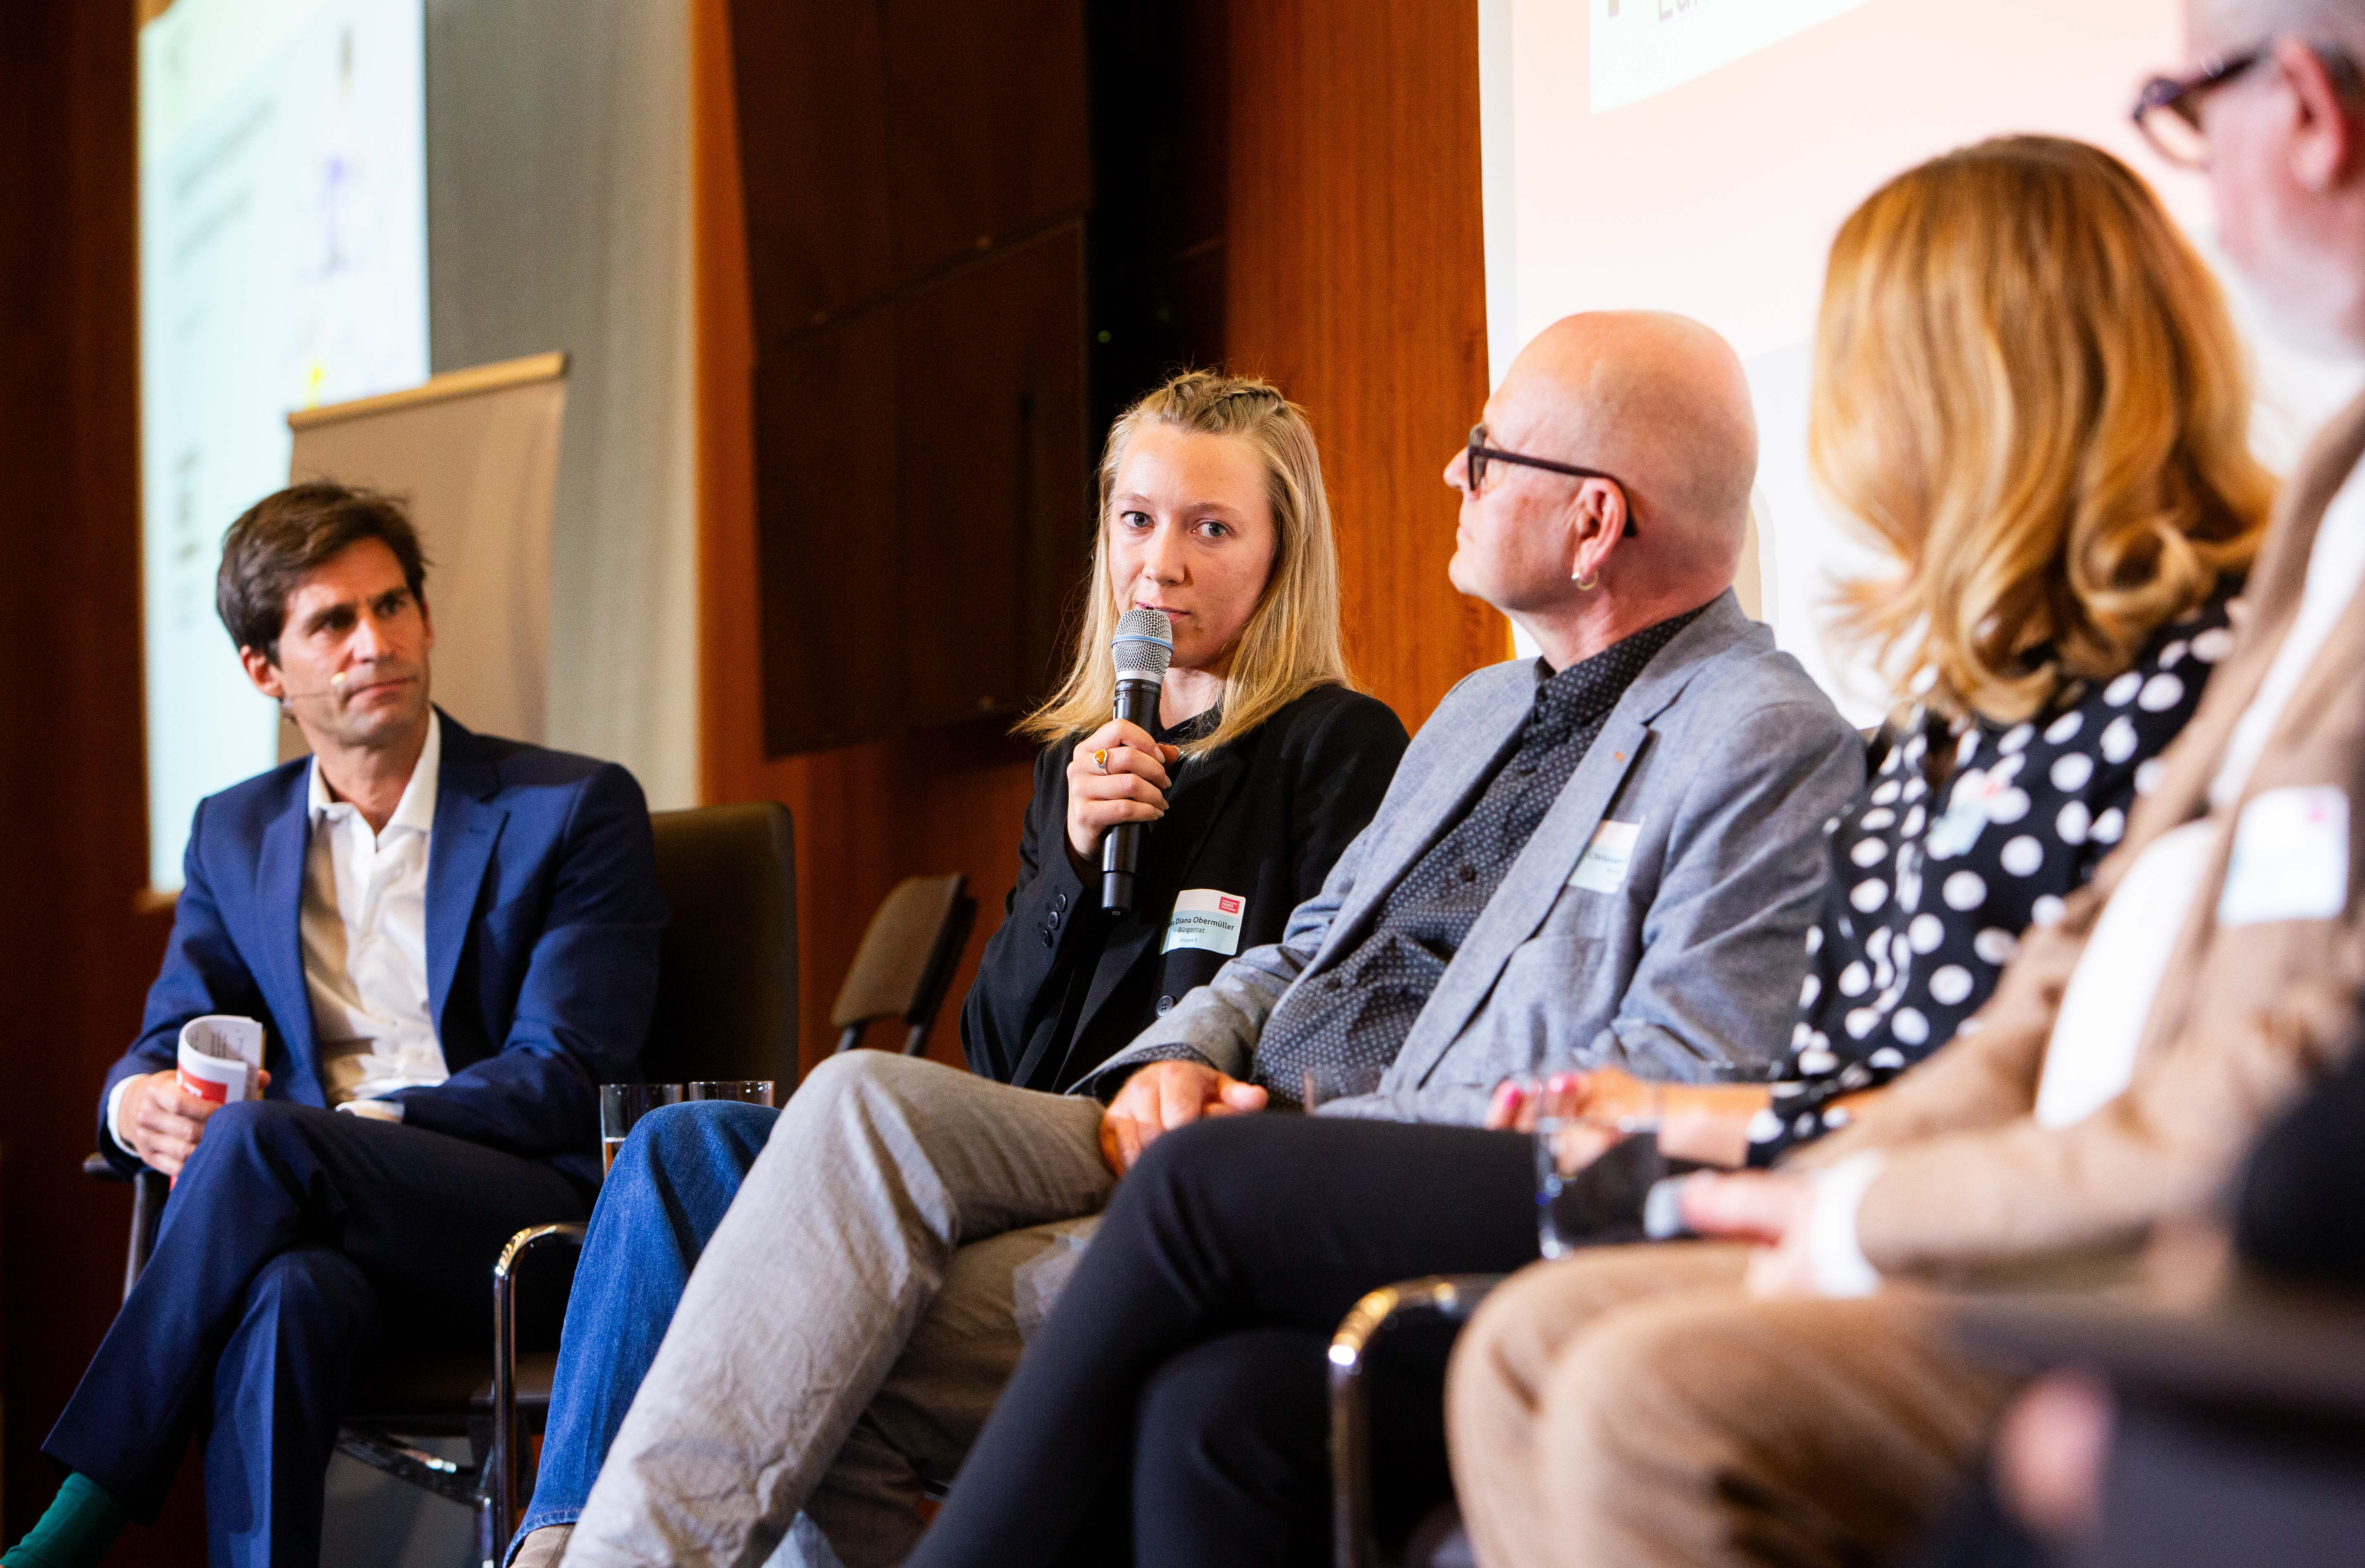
(1697, 156)
(283, 224)
(1642, 46)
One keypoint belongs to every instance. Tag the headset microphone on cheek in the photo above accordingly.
(335, 687)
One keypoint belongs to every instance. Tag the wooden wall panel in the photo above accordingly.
(1356, 280)
(866, 815)
(75, 959)
(1354, 276)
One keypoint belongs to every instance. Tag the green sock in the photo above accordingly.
(82, 1523)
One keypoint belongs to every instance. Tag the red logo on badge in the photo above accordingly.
(1229, 906)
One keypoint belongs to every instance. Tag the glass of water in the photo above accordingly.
(622, 1105)
(1571, 1134)
(747, 1091)
(1319, 1086)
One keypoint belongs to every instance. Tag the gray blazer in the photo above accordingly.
(1715, 774)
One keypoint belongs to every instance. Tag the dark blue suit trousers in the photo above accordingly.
(297, 1243)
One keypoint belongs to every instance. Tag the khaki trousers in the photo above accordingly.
(1632, 1407)
(851, 1322)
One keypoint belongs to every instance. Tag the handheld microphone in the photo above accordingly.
(1144, 647)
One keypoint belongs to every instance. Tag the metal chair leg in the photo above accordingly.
(1450, 1297)
(149, 1191)
(502, 1469)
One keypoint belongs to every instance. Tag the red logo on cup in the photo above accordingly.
(203, 1089)
(1229, 906)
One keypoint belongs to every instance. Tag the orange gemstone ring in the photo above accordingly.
(1100, 760)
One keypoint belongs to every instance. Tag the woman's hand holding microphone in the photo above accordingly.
(1117, 774)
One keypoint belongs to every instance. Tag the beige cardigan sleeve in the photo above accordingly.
(2014, 1189)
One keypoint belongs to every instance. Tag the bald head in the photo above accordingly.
(1658, 401)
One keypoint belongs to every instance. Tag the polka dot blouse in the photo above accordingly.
(1966, 834)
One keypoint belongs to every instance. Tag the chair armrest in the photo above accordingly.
(2262, 1348)
(1448, 1298)
(99, 1168)
(502, 1484)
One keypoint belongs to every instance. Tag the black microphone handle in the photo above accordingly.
(1136, 703)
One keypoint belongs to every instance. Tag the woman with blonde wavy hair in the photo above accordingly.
(1261, 766)
(2029, 394)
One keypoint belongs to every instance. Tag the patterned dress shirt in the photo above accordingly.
(1332, 1037)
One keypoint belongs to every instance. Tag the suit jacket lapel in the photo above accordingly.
(1437, 803)
(2270, 602)
(1527, 895)
(466, 827)
(279, 889)
(1550, 856)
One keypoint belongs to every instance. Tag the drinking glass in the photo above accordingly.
(747, 1091)
(622, 1105)
(1323, 1084)
(1570, 1134)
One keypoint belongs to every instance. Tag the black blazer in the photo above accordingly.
(1062, 987)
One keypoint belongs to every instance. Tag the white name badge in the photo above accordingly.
(2290, 857)
(1603, 869)
(1206, 919)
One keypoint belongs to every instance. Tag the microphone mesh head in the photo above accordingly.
(1144, 645)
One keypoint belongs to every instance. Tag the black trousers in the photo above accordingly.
(1185, 1362)
(297, 1243)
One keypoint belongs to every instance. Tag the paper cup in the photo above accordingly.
(211, 1077)
(221, 1059)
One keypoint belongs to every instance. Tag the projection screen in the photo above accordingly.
(1698, 155)
(283, 264)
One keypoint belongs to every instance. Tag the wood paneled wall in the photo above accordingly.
(1355, 278)
(866, 815)
(75, 959)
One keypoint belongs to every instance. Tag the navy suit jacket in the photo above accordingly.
(543, 920)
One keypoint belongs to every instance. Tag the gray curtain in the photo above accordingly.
(558, 196)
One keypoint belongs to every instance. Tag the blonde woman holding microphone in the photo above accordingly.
(1259, 767)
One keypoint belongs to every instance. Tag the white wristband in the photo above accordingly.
(1841, 1267)
(374, 1110)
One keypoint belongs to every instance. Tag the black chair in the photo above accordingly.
(1436, 1301)
(907, 961)
(726, 1009)
(2239, 1435)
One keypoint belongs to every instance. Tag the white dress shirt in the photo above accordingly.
(365, 930)
(2090, 1057)
(363, 926)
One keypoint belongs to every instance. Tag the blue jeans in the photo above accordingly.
(672, 1180)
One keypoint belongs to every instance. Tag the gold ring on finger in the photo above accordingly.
(1100, 760)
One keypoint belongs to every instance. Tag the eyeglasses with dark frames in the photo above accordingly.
(1481, 454)
(2167, 111)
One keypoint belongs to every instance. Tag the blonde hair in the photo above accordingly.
(1291, 643)
(2028, 388)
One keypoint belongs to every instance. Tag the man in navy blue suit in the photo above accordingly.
(450, 941)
